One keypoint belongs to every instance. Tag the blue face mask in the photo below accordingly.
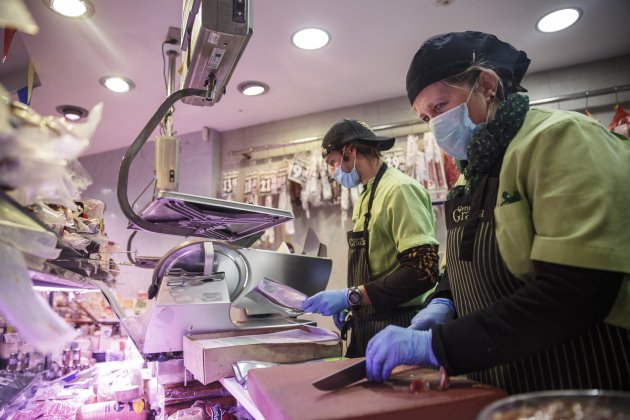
(454, 129)
(347, 179)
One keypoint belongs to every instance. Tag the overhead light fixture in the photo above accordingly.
(117, 84)
(559, 20)
(310, 38)
(72, 112)
(253, 88)
(71, 8)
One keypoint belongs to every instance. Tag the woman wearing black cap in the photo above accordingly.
(391, 268)
(538, 249)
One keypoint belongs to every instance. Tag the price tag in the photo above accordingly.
(268, 182)
(251, 183)
(396, 158)
(229, 183)
(281, 177)
(299, 168)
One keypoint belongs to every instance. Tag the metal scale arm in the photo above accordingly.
(134, 149)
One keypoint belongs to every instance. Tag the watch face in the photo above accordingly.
(354, 297)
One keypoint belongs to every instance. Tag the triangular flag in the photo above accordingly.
(31, 78)
(22, 95)
(8, 37)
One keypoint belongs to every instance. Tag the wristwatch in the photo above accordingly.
(354, 297)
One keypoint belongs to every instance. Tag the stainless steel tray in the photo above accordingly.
(211, 217)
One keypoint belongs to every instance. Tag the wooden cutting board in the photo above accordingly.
(286, 392)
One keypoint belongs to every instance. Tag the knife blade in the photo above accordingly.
(343, 377)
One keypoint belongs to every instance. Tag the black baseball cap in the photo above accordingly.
(449, 54)
(347, 131)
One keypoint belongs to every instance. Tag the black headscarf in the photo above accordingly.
(449, 54)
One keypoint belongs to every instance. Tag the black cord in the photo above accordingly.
(162, 128)
(143, 191)
(129, 257)
(164, 66)
(172, 110)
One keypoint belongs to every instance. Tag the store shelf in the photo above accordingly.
(47, 274)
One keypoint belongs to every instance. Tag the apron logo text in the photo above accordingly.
(358, 242)
(461, 213)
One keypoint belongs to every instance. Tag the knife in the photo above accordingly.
(343, 377)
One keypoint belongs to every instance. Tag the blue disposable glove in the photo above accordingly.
(328, 302)
(340, 318)
(438, 311)
(396, 346)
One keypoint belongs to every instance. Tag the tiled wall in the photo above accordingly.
(204, 160)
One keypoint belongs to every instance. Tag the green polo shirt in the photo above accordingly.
(573, 179)
(402, 218)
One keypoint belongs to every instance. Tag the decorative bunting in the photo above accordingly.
(8, 37)
(24, 94)
(31, 79)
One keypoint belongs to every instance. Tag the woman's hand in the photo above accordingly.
(395, 346)
(438, 311)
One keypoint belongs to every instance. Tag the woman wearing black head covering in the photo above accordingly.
(538, 249)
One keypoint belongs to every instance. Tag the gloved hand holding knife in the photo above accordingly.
(396, 346)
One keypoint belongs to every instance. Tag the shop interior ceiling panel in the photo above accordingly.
(372, 42)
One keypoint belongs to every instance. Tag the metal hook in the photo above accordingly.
(586, 106)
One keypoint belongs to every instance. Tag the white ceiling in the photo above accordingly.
(367, 59)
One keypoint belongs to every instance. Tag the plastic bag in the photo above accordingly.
(38, 158)
(37, 323)
(118, 382)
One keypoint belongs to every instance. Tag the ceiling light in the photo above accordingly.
(310, 38)
(558, 20)
(71, 8)
(253, 88)
(117, 84)
(72, 112)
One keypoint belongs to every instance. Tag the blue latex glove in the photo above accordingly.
(328, 302)
(396, 346)
(340, 318)
(438, 311)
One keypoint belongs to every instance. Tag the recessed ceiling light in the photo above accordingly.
(117, 84)
(71, 8)
(72, 112)
(253, 88)
(310, 38)
(559, 20)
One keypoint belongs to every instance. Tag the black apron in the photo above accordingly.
(479, 277)
(365, 322)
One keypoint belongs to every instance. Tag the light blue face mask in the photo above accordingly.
(454, 129)
(347, 179)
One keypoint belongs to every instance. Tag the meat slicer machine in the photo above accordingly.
(203, 286)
